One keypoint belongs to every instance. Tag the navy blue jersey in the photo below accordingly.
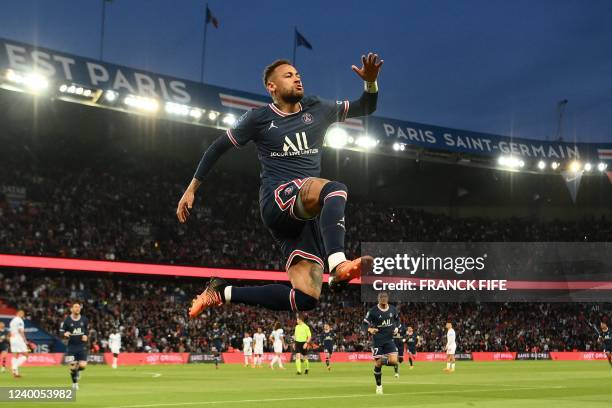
(288, 145)
(217, 340)
(77, 329)
(606, 337)
(384, 320)
(327, 339)
(411, 341)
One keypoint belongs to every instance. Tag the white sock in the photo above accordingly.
(335, 259)
(21, 360)
(227, 292)
(448, 365)
(453, 366)
(14, 364)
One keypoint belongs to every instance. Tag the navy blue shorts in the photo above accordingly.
(75, 355)
(4, 346)
(412, 350)
(297, 238)
(400, 347)
(217, 346)
(328, 348)
(382, 349)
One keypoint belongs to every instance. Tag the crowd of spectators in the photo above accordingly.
(82, 206)
(150, 313)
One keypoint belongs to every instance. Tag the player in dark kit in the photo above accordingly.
(217, 344)
(327, 340)
(382, 322)
(606, 338)
(412, 342)
(75, 330)
(304, 213)
(398, 339)
(4, 344)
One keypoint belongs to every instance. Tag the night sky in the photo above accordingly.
(485, 65)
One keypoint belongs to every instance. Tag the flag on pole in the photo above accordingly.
(210, 18)
(300, 40)
(572, 181)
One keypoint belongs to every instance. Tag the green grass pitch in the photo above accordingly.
(521, 384)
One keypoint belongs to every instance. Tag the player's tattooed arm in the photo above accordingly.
(316, 277)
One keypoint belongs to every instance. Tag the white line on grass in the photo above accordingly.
(178, 404)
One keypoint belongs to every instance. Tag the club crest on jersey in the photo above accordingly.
(288, 191)
(307, 118)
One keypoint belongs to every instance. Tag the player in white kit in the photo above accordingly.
(451, 347)
(278, 341)
(260, 340)
(19, 344)
(114, 343)
(247, 349)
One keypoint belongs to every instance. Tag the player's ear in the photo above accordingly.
(271, 87)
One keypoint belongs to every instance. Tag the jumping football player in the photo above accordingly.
(304, 213)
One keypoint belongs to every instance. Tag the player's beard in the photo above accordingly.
(293, 96)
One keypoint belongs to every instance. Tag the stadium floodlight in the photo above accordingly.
(212, 116)
(32, 81)
(336, 137)
(142, 103)
(351, 139)
(554, 165)
(195, 113)
(574, 166)
(76, 90)
(602, 166)
(588, 167)
(396, 146)
(229, 119)
(366, 142)
(402, 147)
(541, 165)
(177, 109)
(510, 162)
(111, 95)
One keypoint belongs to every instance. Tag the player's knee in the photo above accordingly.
(401, 359)
(332, 189)
(301, 302)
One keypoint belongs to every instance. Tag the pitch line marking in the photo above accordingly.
(178, 404)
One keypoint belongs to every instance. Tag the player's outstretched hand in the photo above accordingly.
(372, 330)
(370, 67)
(184, 205)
